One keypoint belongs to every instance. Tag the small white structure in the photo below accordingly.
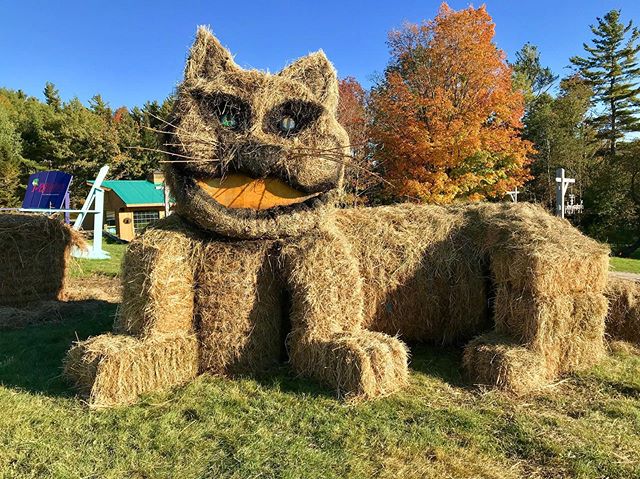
(562, 183)
(573, 208)
(513, 195)
(95, 196)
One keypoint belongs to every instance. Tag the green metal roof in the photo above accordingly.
(136, 192)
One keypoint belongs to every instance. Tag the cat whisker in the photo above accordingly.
(188, 159)
(339, 159)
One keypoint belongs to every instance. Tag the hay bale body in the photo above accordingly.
(342, 288)
(347, 295)
(34, 254)
(623, 316)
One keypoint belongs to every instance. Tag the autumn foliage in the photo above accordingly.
(446, 118)
(353, 115)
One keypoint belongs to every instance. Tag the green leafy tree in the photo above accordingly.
(612, 213)
(82, 142)
(563, 138)
(611, 67)
(11, 161)
(99, 106)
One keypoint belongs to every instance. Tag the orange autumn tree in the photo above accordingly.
(353, 116)
(446, 118)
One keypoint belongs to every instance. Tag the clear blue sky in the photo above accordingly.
(134, 51)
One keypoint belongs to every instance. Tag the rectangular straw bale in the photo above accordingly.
(494, 360)
(623, 316)
(567, 329)
(114, 370)
(366, 365)
(158, 281)
(239, 310)
(537, 253)
(34, 255)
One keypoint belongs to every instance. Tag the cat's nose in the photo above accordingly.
(259, 159)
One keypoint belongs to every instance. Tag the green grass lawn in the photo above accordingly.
(279, 426)
(108, 267)
(626, 265)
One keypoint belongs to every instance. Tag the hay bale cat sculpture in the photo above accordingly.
(257, 257)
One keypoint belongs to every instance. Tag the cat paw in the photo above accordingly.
(496, 361)
(363, 364)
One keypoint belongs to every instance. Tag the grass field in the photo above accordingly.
(280, 426)
(626, 265)
(107, 267)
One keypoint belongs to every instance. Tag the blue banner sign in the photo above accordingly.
(47, 189)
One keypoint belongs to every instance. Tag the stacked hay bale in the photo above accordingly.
(549, 282)
(623, 317)
(154, 346)
(34, 255)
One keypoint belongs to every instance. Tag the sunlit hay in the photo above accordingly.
(94, 287)
(623, 316)
(428, 273)
(35, 251)
(327, 341)
(535, 252)
(158, 280)
(566, 330)
(239, 307)
(495, 360)
(311, 162)
(549, 281)
(111, 370)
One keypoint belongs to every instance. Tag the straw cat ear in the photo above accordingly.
(208, 58)
(318, 74)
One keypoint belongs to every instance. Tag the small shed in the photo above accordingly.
(130, 205)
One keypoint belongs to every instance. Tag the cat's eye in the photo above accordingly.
(231, 112)
(287, 124)
(292, 117)
(228, 120)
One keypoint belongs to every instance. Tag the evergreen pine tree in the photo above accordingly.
(611, 67)
(529, 72)
(52, 96)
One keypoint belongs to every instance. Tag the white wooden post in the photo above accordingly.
(513, 195)
(95, 196)
(166, 198)
(562, 184)
(87, 203)
(98, 219)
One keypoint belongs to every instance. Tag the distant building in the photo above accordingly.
(130, 205)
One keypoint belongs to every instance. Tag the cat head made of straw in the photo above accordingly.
(232, 127)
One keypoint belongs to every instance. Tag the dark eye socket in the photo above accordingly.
(230, 111)
(291, 117)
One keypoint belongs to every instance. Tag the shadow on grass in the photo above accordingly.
(31, 357)
(444, 363)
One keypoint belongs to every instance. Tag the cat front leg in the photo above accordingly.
(327, 341)
(154, 345)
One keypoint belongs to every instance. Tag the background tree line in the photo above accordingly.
(72, 137)
(449, 120)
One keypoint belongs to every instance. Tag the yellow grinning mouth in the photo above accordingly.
(240, 191)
